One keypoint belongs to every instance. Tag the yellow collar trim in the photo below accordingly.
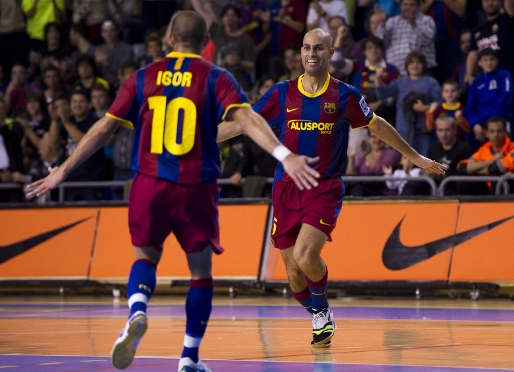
(183, 55)
(451, 107)
(312, 95)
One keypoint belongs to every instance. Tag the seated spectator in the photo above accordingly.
(371, 23)
(291, 54)
(92, 13)
(414, 94)
(451, 107)
(489, 95)
(50, 155)
(100, 100)
(407, 32)
(70, 122)
(54, 52)
(448, 150)
(340, 33)
(232, 159)
(235, 50)
(321, 12)
(39, 14)
(265, 83)
(154, 51)
(88, 75)
(17, 90)
(126, 69)
(52, 83)
(496, 156)
(35, 123)
(79, 39)
(370, 164)
(112, 53)
(11, 156)
(408, 170)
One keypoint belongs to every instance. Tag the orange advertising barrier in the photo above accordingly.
(424, 241)
(47, 243)
(241, 234)
(373, 241)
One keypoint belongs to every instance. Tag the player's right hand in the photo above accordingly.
(297, 167)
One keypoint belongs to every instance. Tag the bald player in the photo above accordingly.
(174, 107)
(313, 114)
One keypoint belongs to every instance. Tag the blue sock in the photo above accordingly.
(141, 285)
(198, 310)
(319, 293)
(304, 298)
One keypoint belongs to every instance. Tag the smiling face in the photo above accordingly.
(316, 53)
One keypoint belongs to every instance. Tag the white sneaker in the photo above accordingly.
(125, 346)
(187, 365)
(323, 328)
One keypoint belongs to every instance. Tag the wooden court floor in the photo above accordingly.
(258, 334)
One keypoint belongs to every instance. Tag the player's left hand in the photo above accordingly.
(297, 167)
(46, 184)
(429, 165)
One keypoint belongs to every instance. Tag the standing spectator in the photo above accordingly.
(339, 31)
(100, 100)
(87, 74)
(235, 50)
(321, 11)
(459, 71)
(256, 22)
(11, 156)
(18, 89)
(496, 34)
(447, 15)
(371, 164)
(371, 23)
(110, 55)
(92, 13)
(127, 14)
(407, 32)
(287, 25)
(414, 94)
(79, 39)
(13, 37)
(40, 13)
(70, 122)
(490, 94)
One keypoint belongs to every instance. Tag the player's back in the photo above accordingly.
(177, 104)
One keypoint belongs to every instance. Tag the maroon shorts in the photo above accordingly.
(318, 207)
(158, 207)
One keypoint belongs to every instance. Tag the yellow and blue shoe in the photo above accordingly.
(125, 346)
(187, 365)
(323, 328)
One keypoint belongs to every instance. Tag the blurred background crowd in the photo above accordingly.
(438, 70)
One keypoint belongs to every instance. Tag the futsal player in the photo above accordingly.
(174, 106)
(313, 114)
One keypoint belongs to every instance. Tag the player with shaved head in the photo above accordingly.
(313, 114)
(174, 106)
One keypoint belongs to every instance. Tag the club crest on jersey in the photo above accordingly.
(364, 107)
(330, 107)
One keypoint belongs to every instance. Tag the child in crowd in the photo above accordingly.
(408, 170)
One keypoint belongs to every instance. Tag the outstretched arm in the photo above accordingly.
(383, 130)
(92, 141)
(296, 166)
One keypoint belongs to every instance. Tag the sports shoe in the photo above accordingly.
(125, 346)
(323, 328)
(187, 365)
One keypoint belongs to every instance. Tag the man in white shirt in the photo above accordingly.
(320, 12)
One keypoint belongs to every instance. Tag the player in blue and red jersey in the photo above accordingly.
(174, 106)
(313, 114)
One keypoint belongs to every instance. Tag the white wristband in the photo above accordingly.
(281, 152)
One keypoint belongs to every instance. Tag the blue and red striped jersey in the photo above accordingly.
(174, 106)
(362, 73)
(448, 23)
(315, 124)
(251, 24)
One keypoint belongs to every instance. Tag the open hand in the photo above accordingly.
(429, 165)
(297, 167)
(46, 184)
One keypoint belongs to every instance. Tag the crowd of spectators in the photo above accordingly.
(440, 71)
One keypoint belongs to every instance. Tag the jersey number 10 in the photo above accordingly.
(165, 125)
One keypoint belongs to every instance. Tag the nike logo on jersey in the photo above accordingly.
(291, 110)
(397, 256)
(324, 223)
(12, 250)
